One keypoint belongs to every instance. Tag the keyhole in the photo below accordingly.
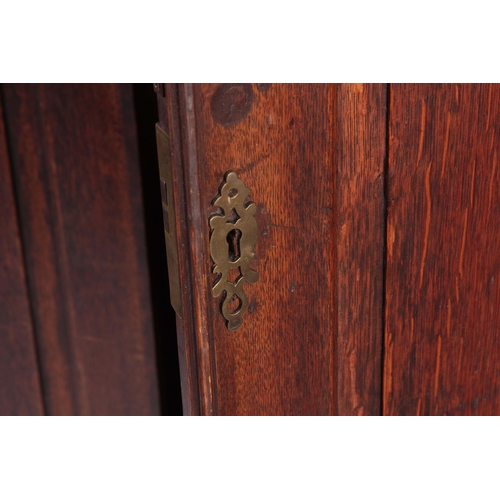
(233, 238)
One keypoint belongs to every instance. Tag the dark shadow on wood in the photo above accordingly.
(163, 315)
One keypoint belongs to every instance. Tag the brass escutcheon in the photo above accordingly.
(232, 247)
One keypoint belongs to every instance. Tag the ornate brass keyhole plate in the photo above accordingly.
(232, 247)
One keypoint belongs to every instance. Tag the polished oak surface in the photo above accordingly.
(313, 158)
(442, 337)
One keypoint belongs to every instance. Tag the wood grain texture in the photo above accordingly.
(296, 353)
(20, 389)
(442, 335)
(75, 158)
(282, 361)
(361, 138)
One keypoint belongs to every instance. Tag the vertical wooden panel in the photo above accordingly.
(361, 136)
(291, 145)
(443, 258)
(75, 155)
(282, 361)
(20, 390)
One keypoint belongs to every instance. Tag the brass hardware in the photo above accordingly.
(232, 247)
(167, 198)
(159, 88)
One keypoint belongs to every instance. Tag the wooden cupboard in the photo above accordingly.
(369, 214)
(378, 214)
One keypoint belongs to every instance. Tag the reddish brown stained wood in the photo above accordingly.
(76, 164)
(20, 390)
(442, 335)
(169, 118)
(361, 136)
(290, 145)
(282, 361)
(198, 252)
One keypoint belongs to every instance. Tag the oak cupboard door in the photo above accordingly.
(377, 251)
(312, 156)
